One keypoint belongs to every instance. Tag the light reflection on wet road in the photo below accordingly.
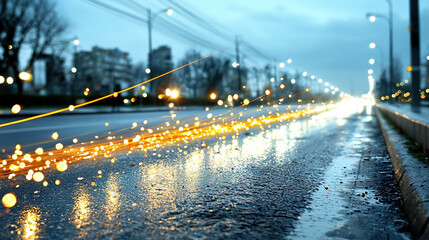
(255, 185)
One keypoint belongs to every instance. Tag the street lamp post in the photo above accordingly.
(76, 43)
(151, 18)
(374, 46)
(415, 55)
(372, 17)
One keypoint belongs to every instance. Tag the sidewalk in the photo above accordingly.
(411, 171)
(92, 110)
(405, 109)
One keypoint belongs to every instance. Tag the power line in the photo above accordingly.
(165, 27)
(169, 27)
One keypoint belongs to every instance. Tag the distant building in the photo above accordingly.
(48, 76)
(161, 63)
(101, 70)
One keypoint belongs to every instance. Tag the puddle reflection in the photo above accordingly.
(161, 185)
(29, 223)
(82, 207)
(112, 198)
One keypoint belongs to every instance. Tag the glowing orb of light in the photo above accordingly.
(174, 94)
(38, 176)
(9, 80)
(59, 146)
(25, 76)
(55, 135)
(267, 92)
(39, 151)
(213, 96)
(16, 109)
(246, 101)
(62, 166)
(9, 200)
(168, 92)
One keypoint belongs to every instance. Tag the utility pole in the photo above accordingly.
(237, 56)
(257, 81)
(415, 55)
(275, 74)
(149, 28)
(390, 89)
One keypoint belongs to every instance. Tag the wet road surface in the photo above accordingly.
(283, 182)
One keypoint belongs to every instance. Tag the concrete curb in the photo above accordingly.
(413, 178)
(416, 130)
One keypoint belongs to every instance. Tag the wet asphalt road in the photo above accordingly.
(301, 180)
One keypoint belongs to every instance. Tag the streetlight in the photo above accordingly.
(76, 43)
(151, 18)
(25, 76)
(374, 46)
(372, 17)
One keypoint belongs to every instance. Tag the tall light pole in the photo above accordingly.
(415, 55)
(76, 43)
(150, 19)
(374, 46)
(372, 17)
(237, 59)
(385, 90)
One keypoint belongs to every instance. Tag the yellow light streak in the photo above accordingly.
(101, 98)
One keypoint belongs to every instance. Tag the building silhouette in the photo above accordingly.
(161, 63)
(102, 71)
(48, 76)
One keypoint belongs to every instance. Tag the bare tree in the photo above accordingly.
(191, 76)
(256, 74)
(47, 30)
(32, 23)
(214, 70)
(139, 75)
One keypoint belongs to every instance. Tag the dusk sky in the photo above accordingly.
(327, 38)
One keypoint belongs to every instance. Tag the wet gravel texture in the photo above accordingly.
(374, 208)
(255, 186)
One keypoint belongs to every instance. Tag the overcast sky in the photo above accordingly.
(327, 38)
